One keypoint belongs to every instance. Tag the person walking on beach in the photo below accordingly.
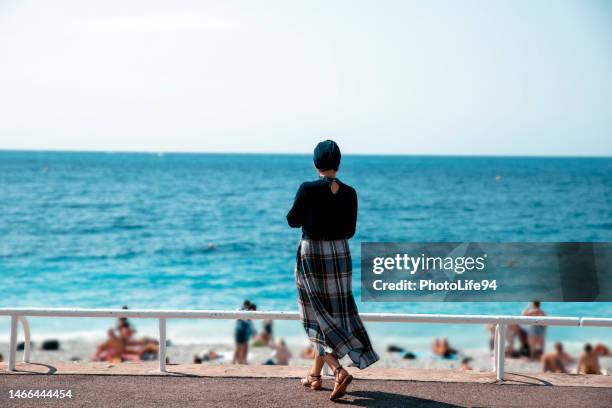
(326, 211)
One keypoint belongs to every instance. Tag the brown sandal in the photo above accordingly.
(341, 386)
(312, 381)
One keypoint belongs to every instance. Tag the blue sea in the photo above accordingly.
(206, 231)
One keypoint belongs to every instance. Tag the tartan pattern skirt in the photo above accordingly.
(323, 275)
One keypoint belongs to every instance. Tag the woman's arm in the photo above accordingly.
(295, 216)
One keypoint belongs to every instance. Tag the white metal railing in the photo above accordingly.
(500, 322)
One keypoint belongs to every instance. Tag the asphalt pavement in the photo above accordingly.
(192, 391)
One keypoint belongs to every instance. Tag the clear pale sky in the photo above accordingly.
(402, 77)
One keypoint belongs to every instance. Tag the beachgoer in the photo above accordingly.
(242, 335)
(536, 334)
(516, 332)
(110, 350)
(122, 321)
(308, 353)
(601, 350)
(264, 338)
(589, 361)
(206, 356)
(555, 362)
(121, 346)
(131, 349)
(268, 330)
(281, 354)
(465, 364)
(326, 210)
(442, 348)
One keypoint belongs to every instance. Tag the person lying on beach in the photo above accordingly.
(211, 355)
(146, 348)
(589, 361)
(536, 334)
(555, 362)
(442, 348)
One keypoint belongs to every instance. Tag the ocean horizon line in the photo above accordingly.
(299, 154)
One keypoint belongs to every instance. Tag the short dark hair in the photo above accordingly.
(588, 348)
(327, 156)
(536, 303)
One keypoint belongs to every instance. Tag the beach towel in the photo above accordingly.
(323, 274)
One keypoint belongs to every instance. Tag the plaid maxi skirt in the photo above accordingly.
(323, 275)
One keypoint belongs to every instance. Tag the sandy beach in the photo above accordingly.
(81, 350)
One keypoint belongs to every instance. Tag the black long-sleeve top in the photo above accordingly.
(321, 214)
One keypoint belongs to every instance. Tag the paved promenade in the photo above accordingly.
(127, 385)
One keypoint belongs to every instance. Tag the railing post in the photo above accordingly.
(162, 345)
(501, 351)
(26, 339)
(495, 347)
(13, 343)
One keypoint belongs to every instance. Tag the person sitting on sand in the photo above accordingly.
(120, 346)
(264, 338)
(110, 350)
(442, 348)
(589, 361)
(131, 349)
(282, 354)
(555, 362)
(536, 333)
(516, 332)
(122, 321)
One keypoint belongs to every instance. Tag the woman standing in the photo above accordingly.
(326, 210)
